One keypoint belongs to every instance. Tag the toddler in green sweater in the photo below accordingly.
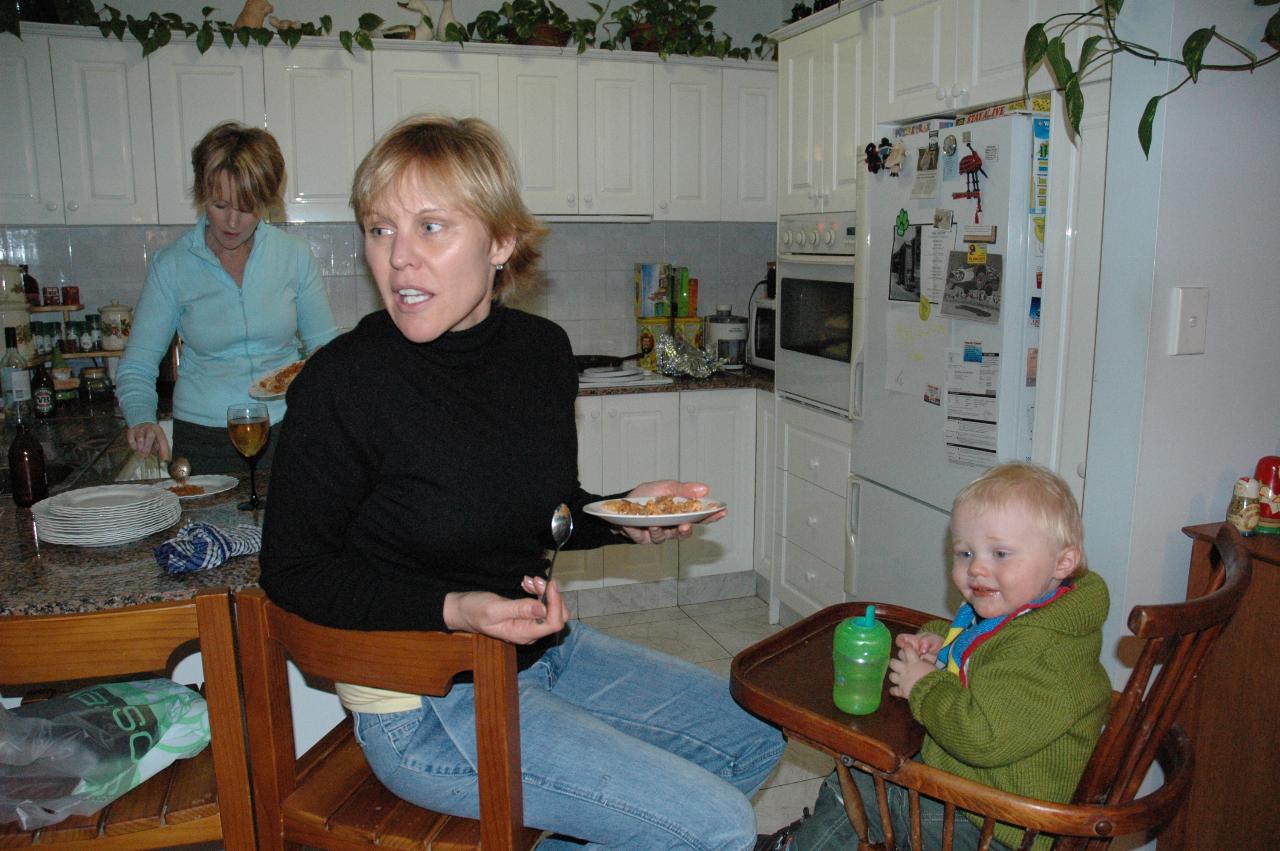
(1011, 692)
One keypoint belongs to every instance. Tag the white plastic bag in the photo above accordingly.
(78, 752)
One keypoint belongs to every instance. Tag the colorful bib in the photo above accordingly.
(967, 632)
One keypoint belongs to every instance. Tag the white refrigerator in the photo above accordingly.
(951, 264)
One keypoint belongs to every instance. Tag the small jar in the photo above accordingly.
(71, 336)
(1243, 510)
(86, 336)
(94, 385)
(95, 330)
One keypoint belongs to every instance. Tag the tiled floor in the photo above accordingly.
(709, 634)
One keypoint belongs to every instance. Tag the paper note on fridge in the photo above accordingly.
(972, 409)
(916, 350)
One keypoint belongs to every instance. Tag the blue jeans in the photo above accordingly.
(932, 817)
(621, 746)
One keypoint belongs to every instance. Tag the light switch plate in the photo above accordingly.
(1190, 318)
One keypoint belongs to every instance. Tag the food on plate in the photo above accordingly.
(658, 505)
(279, 381)
(186, 490)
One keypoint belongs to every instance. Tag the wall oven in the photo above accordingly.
(818, 357)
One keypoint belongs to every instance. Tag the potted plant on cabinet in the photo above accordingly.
(670, 27)
(538, 22)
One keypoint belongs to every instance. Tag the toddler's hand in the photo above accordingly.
(906, 670)
(921, 643)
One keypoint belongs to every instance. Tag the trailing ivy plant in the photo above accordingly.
(1041, 46)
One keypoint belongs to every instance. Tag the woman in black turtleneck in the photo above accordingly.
(413, 488)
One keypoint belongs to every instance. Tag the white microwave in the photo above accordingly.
(762, 332)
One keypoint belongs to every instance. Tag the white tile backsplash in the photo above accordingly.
(589, 268)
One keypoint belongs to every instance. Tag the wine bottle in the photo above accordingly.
(27, 479)
(14, 378)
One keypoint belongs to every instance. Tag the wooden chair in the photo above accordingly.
(329, 798)
(1140, 729)
(201, 799)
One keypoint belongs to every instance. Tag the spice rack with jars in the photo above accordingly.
(66, 310)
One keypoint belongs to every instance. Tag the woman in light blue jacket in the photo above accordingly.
(239, 292)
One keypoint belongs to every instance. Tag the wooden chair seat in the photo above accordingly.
(329, 798)
(184, 803)
(1140, 730)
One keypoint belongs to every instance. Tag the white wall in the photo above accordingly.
(1170, 434)
(741, 19)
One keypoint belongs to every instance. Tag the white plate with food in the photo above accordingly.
(275, 383)
(652, 511)
(199, 486)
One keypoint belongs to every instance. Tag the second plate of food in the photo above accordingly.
(198, 486)
(276, 382)
(652, 511)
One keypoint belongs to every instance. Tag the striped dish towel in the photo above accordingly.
(200, 546)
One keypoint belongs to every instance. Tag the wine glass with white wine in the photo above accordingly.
(248, 426)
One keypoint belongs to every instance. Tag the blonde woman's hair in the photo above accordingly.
(250, 157)
(466, 161)
(1038, 488)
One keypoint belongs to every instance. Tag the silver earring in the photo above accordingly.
(498, 266)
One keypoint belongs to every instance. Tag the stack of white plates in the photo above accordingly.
(620, 376)
(105, 515)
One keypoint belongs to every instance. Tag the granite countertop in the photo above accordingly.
(43, 578)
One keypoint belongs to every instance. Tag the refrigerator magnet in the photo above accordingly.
(980, 233)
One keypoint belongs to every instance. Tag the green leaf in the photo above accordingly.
(263, 36)
(173, 19)
(1144, 125)
(344, 38)
(139, 29)
(455, 32)
(369, 22)
(1193, 50)
(163, 36)
(206, 11)
(326, 23)
(1271, 36)
(204, 39)
(118, 27)
(1087, 50)
(228, 35)
(1112, 6)
(242, 35)
(362, 39)
(1033, 50)
(149, 46)
(1056, 53)
(1074, 99)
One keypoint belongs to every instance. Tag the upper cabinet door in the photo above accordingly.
(103, 103)
(799, 113)
(989, 39)
(190, 93)
(320, 111)
(615, 137)
(686, 142)
(916, 58)
(847, 80)
(447, 82)
(30, 177)
(538, 115)
(749, 147)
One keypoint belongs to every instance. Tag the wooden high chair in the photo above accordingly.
(1175, 640)
(201, 799)
(329, 798)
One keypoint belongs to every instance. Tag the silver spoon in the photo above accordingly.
(561, 529)
(180, 469)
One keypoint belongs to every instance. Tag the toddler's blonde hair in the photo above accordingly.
(1039, 489)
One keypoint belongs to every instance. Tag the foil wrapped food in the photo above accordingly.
(680, 358)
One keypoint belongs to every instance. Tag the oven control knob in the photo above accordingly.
(828, 238)
(786, 237)
(813, 237)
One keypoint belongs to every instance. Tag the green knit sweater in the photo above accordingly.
(1035, 703)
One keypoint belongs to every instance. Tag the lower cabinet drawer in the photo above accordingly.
(810, 579)
(814, 519)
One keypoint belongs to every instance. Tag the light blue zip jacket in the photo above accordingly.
(231, 335)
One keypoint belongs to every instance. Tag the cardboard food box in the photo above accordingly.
(687, 328)
(653, 289)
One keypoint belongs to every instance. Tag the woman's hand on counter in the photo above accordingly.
(661, 534)
(144, 438)
(521, 621)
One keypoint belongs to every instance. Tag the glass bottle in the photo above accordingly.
(43, 394)
(27, 480)
(860, 656)
(30, 286)
(14, 377)
(1243, 512)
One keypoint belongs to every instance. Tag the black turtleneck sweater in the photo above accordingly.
(408, 470)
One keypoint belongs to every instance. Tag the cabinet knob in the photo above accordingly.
(51, 205)
(662, 205)
(595, 415)
(812, 521)
(73, 206)
(613, 414)
(813, 463)
(958, 91)
(586, 199)
(571, 199)
(940, 94)
(810, 576)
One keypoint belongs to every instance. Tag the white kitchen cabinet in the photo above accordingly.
(103, 102)
(320, 109)
(717, 446)
(190, 93)
(30, 174)
(407, 82)
(538, 115)
(749, 145)
(945, 55)
(686, 142)
(766, 476)
(812, 545)
(579, 569)
(615, 137)
(825, 100)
